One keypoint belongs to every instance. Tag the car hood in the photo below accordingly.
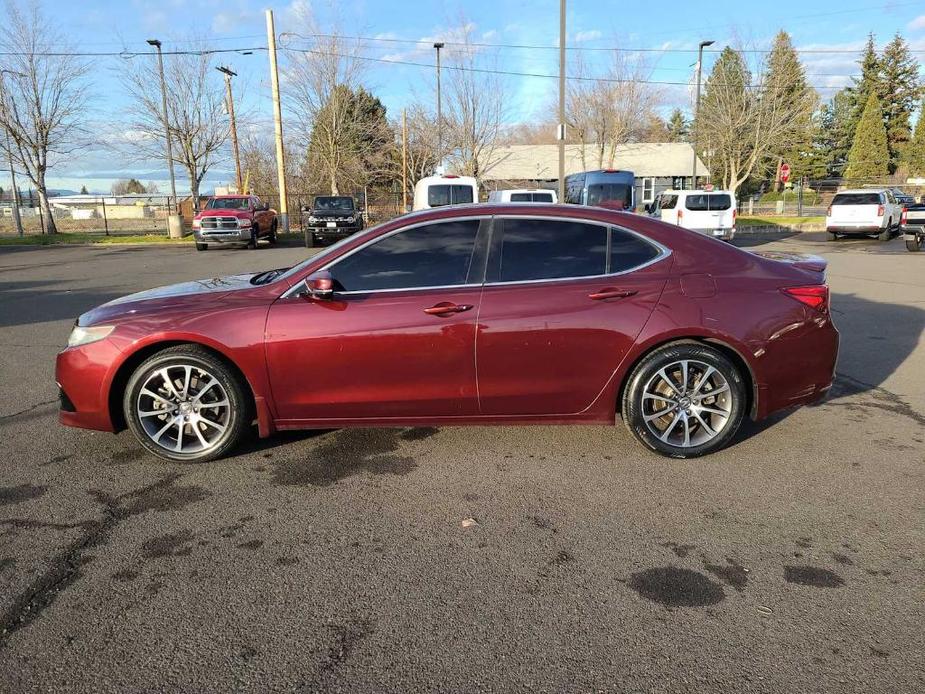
(333, 213)
(224, 213)
(172, 295)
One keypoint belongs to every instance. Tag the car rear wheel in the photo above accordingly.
(887, 233)
(272, 237)
(202, 246)
(684, 400)
(915, 245)
(833, 236)
(184, 404)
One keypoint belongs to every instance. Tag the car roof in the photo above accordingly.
(232, 195)
(698, 191)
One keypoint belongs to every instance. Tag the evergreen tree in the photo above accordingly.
(83, 190)
(678, 127)
(916, 154)
(898, 90)
(868, 83)
(834, 134)
(869, 153)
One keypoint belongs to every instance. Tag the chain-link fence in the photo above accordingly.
(375, 207)
(107, 215)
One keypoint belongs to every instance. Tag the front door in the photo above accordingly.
(563, 303)
(397, 340)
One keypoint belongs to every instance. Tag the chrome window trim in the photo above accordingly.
(664, 252)
(298, 288)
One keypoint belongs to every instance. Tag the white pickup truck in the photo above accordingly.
(863, 212)
(912, 224)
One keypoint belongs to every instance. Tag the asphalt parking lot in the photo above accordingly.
(791, 562)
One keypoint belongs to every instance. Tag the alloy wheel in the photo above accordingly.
(687, 403)
(183, 408)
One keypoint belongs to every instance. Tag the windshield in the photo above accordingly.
(227, 204)
(338, 204)
(610, 192)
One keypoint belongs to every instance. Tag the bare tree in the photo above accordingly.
(195, 113)
(473, 112)
(422, 142)
(44, 98)
(614, 110)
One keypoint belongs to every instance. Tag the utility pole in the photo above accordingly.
(560, 135)
(234, 130)
(703, 44)
(404, 162)
(438, 45)
(17, 219)
(278, 125)
(160, 68)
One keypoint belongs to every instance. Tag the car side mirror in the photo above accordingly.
(320, 285)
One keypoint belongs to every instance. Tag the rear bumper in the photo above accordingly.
(726, 234)
(854, 229)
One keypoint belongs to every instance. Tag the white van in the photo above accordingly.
(523, 195)
(710, 212)
(867, 211)
(439, 191)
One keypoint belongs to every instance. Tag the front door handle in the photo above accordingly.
(445, 308)
(612, 293)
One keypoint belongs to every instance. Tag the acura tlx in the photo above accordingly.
(473, 314)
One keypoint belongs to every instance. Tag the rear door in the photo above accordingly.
(397, 340)
(563, 303)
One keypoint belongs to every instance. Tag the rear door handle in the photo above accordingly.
(445, 308)
(612, 293)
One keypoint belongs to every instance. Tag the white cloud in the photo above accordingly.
(917, 23)
(592, 35)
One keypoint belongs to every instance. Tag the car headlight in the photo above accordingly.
(197, 223)
(312, 219)
(244, 222)
(350, 220)
(84, 336)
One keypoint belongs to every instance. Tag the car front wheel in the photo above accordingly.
(185, 404)
(684, 400)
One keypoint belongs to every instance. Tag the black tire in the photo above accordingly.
(272, 236)
(887, 233)
(252, 244)
(236, 421)
(833, 236)
(647, 371)
(915, 245)
(202, 246)
(309, 238)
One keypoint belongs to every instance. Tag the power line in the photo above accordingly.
(512, 73)
(124, 54)
(527, 46)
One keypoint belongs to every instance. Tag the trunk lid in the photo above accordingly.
(809, 263)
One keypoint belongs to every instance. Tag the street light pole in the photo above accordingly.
(17, 219)
(560, 135)
(703, 44)
(160, 68)
(234, 130)
(438, 45)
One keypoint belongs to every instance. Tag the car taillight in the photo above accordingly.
(879, 210)
(904, 217)
(828, 212)
(815, 296)
(680, 216)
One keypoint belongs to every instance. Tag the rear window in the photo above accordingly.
(440, 195)
(857, 199)
(708, 202)
(620, 193)
(531, 197)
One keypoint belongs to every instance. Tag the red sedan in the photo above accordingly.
(477, 314)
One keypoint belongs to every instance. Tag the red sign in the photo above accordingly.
(785, 172)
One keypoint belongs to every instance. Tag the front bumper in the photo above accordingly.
(84, 375)
(218, 236)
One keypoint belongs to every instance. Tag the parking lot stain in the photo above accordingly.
(20, 493)
(7, 563)
(418, 433)
(842, 558)
(344, 454)
(170, 545)
(805, 542)
(732, 573)
(543, 523)
(879, 652)
(880, 572)
(58, 459)
(64, 567)
(674, 587)
(345, 638)
(127, 456)
(125, 575)
(251, 544)
(562, 558)
(680, 550)
(812, 576)
(287, 561)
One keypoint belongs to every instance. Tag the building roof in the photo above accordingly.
(541, 162)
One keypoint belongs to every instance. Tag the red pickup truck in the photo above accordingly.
(239, 220)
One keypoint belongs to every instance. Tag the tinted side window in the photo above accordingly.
(542, 197)
(628, 251)
(669, 202)
(536, 249)
(433, 255)
(704, 202)
(438, 196)
(520, 197)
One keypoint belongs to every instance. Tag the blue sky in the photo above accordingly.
(670, 27)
